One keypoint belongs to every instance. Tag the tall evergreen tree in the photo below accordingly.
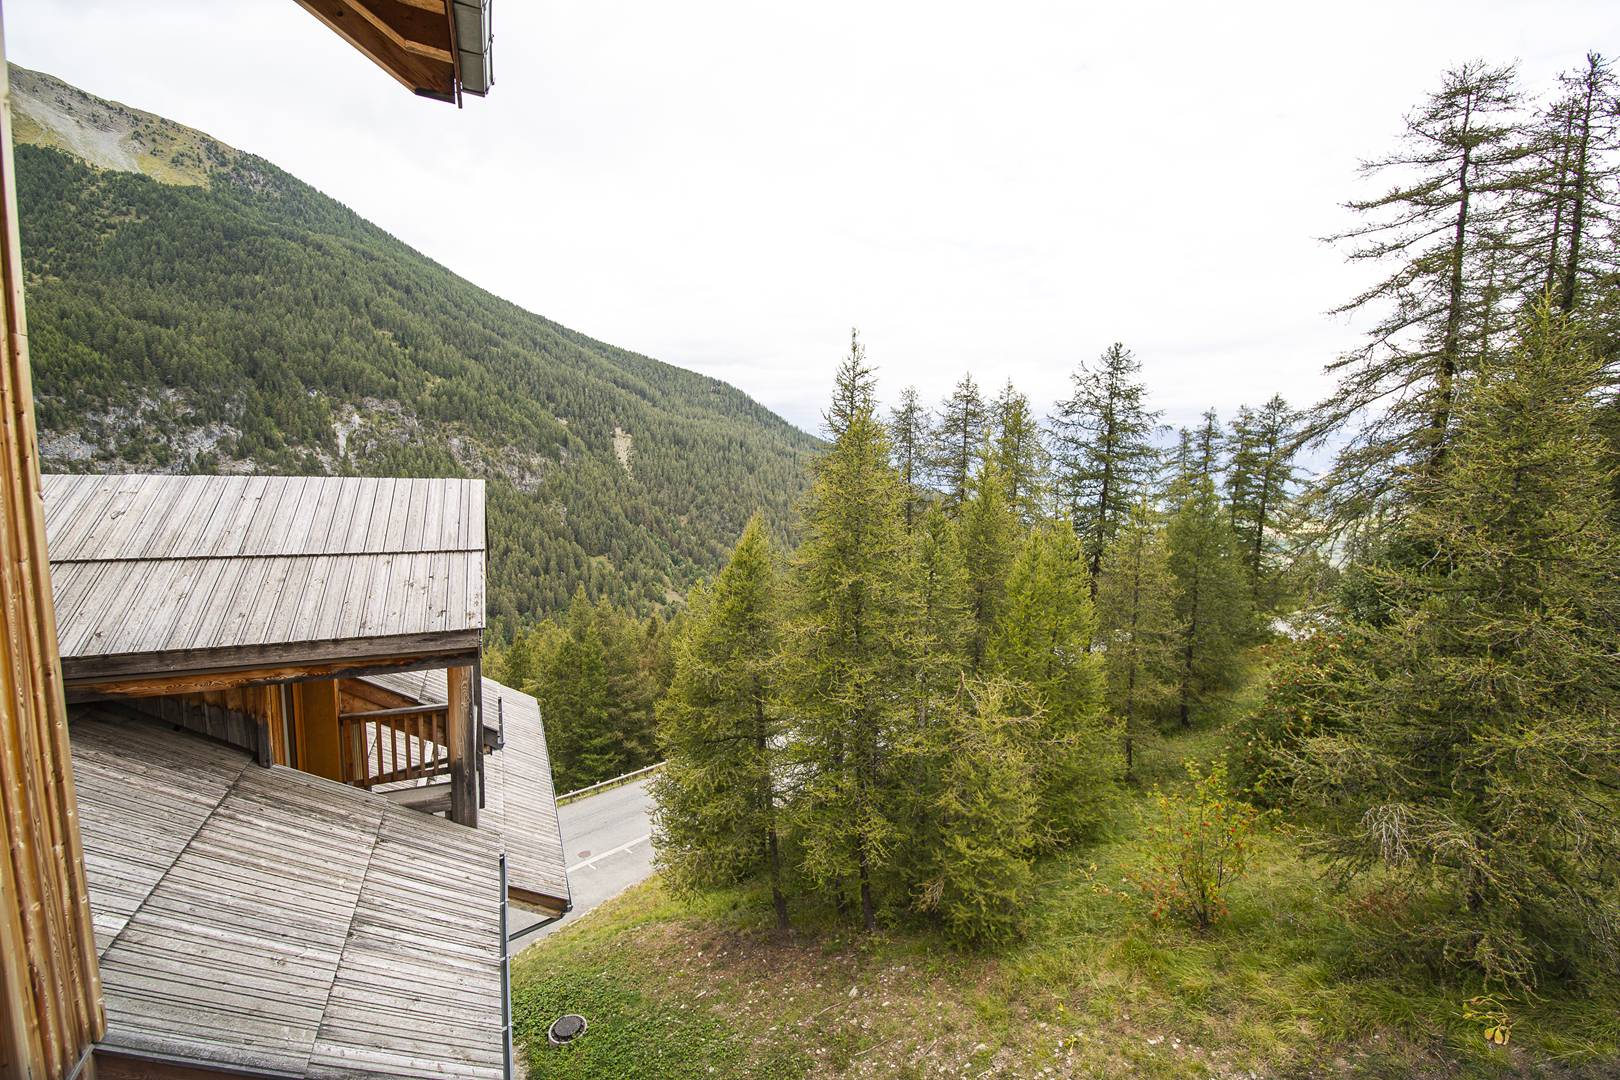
(720, 729)
(1260, 478)
(1476, 748)
(1565, 211)
(848, 646)
(959, 434)
(1019, 452)
(1137, 625)
(988, 535)
(1042, 643)
(975, 872)
(573, 691)
(1102, 447)
(1433, 228)
(1211, 596)
(909, 434)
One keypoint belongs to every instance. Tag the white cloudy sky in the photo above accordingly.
(729, 185)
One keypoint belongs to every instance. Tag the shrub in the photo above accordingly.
(1198, 845)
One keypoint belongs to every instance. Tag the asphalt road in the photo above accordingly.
(607, 841)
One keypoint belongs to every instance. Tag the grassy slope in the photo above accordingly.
(677, 987)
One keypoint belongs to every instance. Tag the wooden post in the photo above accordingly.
(50, 987)
(461, 732)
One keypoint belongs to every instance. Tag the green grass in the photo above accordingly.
(1288, 985)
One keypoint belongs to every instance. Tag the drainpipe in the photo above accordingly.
(506, 979)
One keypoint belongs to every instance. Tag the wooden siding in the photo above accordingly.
(50, 998)
(265, 919)
(520, 803)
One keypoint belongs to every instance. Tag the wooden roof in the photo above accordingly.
(520, 804)
(272, 921)
(435, 48)
(159, 573)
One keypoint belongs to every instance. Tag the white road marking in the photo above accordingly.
(594, 859)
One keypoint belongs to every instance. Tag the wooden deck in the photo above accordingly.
(269, 920)
(520, 803)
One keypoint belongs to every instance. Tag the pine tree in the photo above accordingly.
(1137, 625)
(1020, 453)
(958, 438)
(1477, 748)
(1211, 596)
(847, 647)
(909, 434)
(1102, 447)
(720, 729)
(1433, 228)
(988, 536)
(1042, 645)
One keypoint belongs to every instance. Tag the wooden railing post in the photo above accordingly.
(461, 734)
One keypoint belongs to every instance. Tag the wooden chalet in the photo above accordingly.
(309, 923)
(273, 688)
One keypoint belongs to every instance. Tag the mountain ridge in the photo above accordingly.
(193, 307)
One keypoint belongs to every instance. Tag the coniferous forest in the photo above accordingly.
(1014, 641)
(242, 321)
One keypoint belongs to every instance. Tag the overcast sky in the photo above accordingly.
(730, 186)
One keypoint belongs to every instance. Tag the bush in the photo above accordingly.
(1198, 845)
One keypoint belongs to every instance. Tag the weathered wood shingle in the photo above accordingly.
(153, 565)
(269, 920)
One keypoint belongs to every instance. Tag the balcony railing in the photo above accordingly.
(388, 746)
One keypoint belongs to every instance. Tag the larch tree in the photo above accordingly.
(1564, 213)
(1260, 481)
(909, 434)
(847, 646)
(1433, 228)
(959, 433)
(1042, 645)
(721, 731)
(1211, 598)
(1136, 624)
(1102, 447)
(1475, 749)
(573, 690)
(975, 874)
(1018, 450)
(987, 531)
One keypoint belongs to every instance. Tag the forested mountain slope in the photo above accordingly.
(194, 308)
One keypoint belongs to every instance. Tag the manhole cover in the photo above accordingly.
(566, 1029)
(584, 854)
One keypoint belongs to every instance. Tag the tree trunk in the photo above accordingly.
(1578, 210)
(1440, 418)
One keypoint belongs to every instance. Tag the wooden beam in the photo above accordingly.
(540, 903)
(462, 735)
(94, 670)
(50, 988)
(418, 74)
(411, 28)
(196, 684)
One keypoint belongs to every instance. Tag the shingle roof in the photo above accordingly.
(269, 920)
(520, 803)
(161, 564)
